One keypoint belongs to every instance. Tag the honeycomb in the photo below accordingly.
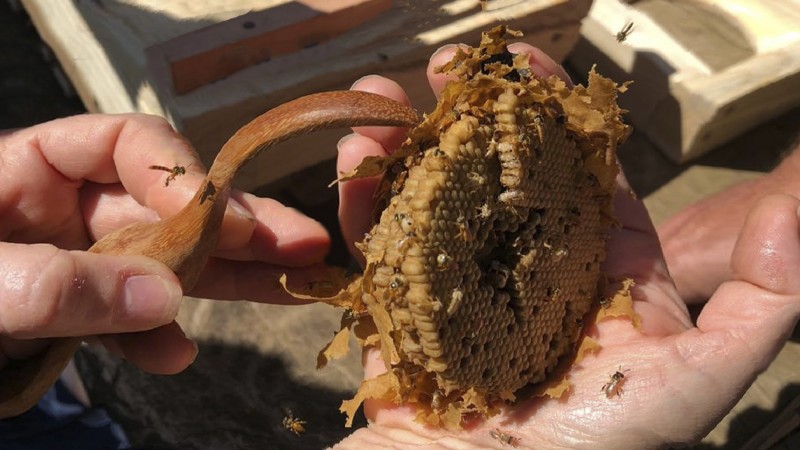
(488, 248)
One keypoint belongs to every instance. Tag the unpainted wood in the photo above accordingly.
(704, 71)
(115, 75)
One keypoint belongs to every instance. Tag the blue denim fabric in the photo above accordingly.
(60, 421)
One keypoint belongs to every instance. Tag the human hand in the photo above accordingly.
(699, 239)
(681, 379)
(69, 182)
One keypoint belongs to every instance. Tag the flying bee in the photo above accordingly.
(174, 172)
(504, 437)
(624, 32)
(293, 424)
(615, 381)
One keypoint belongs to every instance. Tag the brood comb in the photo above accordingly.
(487, 252)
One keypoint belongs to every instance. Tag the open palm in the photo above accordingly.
(680, 378)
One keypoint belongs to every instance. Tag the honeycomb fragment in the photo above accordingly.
(493, 225)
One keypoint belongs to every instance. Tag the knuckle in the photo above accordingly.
(148, 120)
(31, 302)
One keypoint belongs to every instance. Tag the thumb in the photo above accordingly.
(49, 292)
(757, 310)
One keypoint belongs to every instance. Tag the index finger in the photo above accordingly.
(95, 146)
(108, 149)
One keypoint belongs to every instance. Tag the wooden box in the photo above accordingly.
(704, 71)
(211, 66)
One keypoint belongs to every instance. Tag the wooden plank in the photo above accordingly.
(691, 186)
(704, 71)
(102, 44)
(213, 53)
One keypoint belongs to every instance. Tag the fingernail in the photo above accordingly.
(240, 209)
(151, 299)
(353, 86)
(195, 348)
(344, 139)
(196, 351)
(540, 70)
(443, 48)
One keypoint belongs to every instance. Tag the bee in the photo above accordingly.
(443, 261)
(208, 192)
(605, 302)
(614, 385)
(404, 242)
(463, 231)
(476, 179)
(407, 225)
(538, 121)
(560, 253)
(455, 301)
(553, 293)
(436, 400)
(504, 437)
(350, 314)
(484, 212)
(624, 32)
(174, 172)
(498, 274)
(293, 424)
(397, 283)
(511, 197)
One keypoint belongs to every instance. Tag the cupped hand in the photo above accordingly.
(680, 378)
(67, 183)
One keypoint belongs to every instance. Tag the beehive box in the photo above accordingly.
(704, 71)
(211, 66)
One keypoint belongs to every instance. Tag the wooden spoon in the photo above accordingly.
(184, 241)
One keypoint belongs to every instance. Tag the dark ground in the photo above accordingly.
(30, 92)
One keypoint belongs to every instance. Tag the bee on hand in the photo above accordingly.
(615, 381)
(173, 172)
(504, 437)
